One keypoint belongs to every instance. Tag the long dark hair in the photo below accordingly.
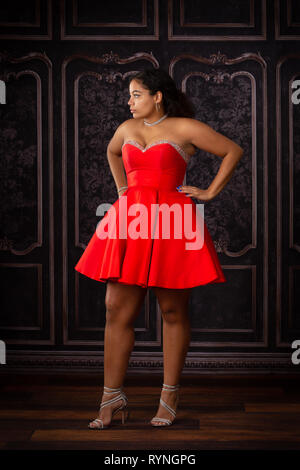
(174, 101)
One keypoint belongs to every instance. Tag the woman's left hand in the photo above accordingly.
(193, 191)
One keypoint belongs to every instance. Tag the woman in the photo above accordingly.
(154, 147)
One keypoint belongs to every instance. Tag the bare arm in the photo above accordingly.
(205, 138)
(114, 157)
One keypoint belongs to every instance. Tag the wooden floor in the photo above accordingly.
(42, 411)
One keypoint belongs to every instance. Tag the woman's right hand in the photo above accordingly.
(122, 192)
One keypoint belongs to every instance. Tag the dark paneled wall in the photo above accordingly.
(66, 66)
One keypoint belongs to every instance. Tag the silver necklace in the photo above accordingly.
(156, 122)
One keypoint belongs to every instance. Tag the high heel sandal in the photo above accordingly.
(167, 422)
(123, 408)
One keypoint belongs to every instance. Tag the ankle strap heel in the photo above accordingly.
(113, 390)
(121, 395)
(170, 388)
(98, 422)
(165, 421)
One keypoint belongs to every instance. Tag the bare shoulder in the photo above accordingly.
(184, 127)
(117, 140)
(125, 125)
(180, 124)
(128, 126)
(204, 137)
(183, 123)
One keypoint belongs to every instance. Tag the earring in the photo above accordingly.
(157, 109)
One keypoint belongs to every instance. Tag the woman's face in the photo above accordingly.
(141, 103)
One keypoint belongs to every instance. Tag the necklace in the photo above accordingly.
(156, 122)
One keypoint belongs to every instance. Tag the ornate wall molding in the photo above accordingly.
(37, 29)
(179, 28)
(144, 28)
(287, 246)
(37, 73)
(60, 361)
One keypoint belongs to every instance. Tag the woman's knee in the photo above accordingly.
(117, 311)
(174, 315)
(122, 305)
(173, 304)
(113, 312)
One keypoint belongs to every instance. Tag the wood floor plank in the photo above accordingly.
(274, 407)
(232, 412)
(206, 433)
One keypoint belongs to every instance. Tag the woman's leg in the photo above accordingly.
(123, 303)
(174, 305)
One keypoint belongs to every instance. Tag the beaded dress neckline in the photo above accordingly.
(177, 147)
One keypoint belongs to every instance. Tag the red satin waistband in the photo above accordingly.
(153, 178)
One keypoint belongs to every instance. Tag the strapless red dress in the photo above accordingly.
(131, 244)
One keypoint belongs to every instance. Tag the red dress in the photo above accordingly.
(146, 253)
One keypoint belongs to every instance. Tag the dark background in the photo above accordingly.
(66, 66)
